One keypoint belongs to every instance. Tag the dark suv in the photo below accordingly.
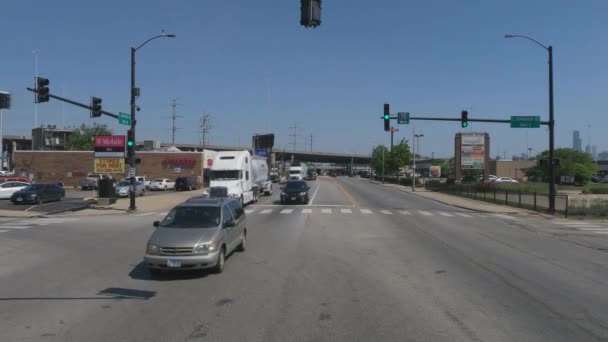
(185, 184)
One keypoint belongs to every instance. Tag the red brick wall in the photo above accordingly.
(71, 166)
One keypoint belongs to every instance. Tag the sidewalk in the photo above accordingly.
(460, 202)
(19, 213)
(143, 204)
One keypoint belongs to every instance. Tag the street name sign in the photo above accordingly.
(525, 121)
(124, 119)
(403, 118)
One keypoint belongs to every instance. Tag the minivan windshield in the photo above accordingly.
(225, 175)
(192, 217)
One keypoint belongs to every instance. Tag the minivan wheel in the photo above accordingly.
(243, 246)
(219, 264)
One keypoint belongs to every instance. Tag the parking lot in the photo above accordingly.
(75, 199)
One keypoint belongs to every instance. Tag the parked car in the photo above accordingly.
(122, 188)
(197, 234)
(275, 178)
(505, 180)
(38, 193)
(162, 184)
(15, 179)
(468, 179)
(185, 184)
(7, 189)
(144, 180)
(91, 181)
(295, 191)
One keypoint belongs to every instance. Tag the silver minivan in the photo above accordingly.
(197, 234)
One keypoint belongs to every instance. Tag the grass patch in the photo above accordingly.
(591, 207)
(596, 189)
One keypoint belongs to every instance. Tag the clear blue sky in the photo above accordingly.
(255, 69)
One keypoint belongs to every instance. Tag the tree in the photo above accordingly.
(399, 158)
(572, 163)
(83, 138)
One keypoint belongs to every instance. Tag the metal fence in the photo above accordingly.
(527, 200)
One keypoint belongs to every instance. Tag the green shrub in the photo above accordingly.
(596, 190)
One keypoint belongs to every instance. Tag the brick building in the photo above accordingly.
(71, 166)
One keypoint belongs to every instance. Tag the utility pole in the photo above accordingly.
(311, 143)
(294, 134)
(205, 127)
(174, 117)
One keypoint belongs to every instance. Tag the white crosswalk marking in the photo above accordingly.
(249, 211)
(38, 223)
(405, 212)
(57, 219)
(15, 227)
(504, 216)
(386, 212)
(346, 211)
(266, 211)
(592, 228)
(425, 213)
(147, 214)
(326, 211)
(366, 211)
(3, 231)
(445, 214)
(162, 214)
(572, 223)
(306, 211)
(463, 215)
(286, 211)
(604, 232)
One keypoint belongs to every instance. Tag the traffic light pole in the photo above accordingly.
(115, 116)
(551, 136)
(131, 149)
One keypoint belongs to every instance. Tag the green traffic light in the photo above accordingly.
(387, 116)
(465, 124)
(130, 143)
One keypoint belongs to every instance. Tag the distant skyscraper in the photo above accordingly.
(588, 149)
(577, 143)
(594, 152)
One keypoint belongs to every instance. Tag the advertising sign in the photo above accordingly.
(110, 146)
(435, 171)
(109, 165)
(472, 151)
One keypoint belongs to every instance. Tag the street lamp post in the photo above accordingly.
(551, 121)
(134, 92)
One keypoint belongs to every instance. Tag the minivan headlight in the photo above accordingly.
(205, 248)
(152, 249)
(302, 193)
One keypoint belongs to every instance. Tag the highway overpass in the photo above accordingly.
(279, 154)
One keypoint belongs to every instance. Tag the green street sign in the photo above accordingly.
(124, 119)
(525, 122)
(403, 118)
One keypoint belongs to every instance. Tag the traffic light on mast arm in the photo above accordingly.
(387, 118)
(95, 107)
(42, 90)
(464, 119)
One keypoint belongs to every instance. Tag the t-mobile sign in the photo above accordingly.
(110, 146)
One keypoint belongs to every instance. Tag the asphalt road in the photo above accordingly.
(360, 262)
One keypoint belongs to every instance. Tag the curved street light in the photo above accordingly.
(134, 93)
(551, 120)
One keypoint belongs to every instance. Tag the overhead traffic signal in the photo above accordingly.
(464, 119)
(42, 90)
(95, 107)
(387, 117)
(310, 13)
(130, 139)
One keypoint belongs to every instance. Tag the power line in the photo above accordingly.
(295, 136)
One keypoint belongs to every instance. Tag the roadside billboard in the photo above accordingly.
(472, 151)
(435, 171)
(109, 146)
(109, 165)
